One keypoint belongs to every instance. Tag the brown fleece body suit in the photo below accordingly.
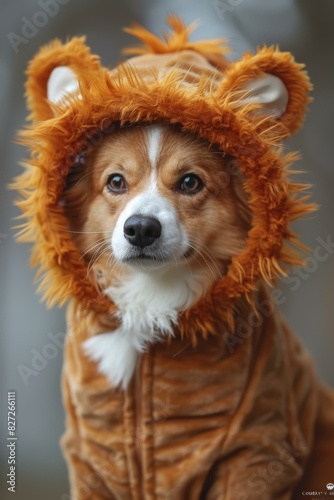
(220, 411)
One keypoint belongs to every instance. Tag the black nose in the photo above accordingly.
(141, 230)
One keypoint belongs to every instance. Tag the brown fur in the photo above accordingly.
(220, 209)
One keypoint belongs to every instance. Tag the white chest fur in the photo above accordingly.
(148, 308)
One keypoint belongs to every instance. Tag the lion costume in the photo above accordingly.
(229, 407)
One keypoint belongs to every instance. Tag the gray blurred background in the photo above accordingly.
(303, 27)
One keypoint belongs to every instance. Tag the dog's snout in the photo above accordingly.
(141, 230)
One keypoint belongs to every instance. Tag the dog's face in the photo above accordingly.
(155, 199)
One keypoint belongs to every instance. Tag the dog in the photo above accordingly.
(181, 379)
(158, 218)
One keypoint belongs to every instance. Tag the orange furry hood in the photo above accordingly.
(173, 81)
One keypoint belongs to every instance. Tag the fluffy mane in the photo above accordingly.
(216, 113)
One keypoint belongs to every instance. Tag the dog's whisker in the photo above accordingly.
(110, 261)
(205, 262)
(85, 232)
(95, 244)
(91, 264)
(92, 246)
(202, 253)
(104, 247)
(188, 265)
(99, 248)
(114, 264)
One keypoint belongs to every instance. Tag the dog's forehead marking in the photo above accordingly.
(154, 139)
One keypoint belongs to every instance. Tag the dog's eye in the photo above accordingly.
(190, 184)
(116, 183)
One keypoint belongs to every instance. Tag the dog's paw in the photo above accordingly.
(115, 355)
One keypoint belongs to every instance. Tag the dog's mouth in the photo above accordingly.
(143, 257)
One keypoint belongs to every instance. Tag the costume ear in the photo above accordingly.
(55, 75)
(270, 92)
(62, 84)
(274, 82)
